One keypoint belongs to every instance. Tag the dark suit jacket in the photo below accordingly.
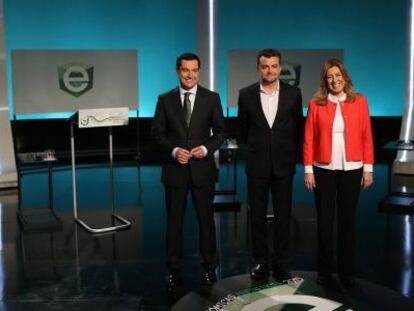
(170, 130)
(273, 148)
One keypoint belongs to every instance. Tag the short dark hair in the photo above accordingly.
(268, 53)
(187, 56)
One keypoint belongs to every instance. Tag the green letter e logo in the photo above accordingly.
(75, 78)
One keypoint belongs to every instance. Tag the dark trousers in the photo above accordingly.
(336, 191)
(281, 190)
(176, 199)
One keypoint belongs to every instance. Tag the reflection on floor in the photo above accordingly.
(70, 269)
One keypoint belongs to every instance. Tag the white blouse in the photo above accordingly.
(339, 161)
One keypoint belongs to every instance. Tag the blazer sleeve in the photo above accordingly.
(367, 141)
(218, 126)
(159, 127)
(308, 139)
(242, 120)
(299, 120)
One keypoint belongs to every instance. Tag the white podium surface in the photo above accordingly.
(103, 117)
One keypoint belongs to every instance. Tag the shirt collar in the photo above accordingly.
(262, 90)
(336, 99)
(192, 91)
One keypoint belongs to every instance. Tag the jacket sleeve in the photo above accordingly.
(308, 139)
(242, 121)
(159, 127)
(299, 120)
(218, 126)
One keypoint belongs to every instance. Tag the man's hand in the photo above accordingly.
(183, 155)
(198, 152)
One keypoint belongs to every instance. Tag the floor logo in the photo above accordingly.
(274, 296)
(75, 78)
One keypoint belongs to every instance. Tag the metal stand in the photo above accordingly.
(124, 223)
(226, 200)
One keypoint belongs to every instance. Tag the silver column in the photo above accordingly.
(404, 162)
(207, 42)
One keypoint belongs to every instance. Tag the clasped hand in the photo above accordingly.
(184, 155)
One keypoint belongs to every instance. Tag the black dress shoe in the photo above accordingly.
(173, 281)
(281, 275)
(347, 281)
(259, 272)
(325, 279)
(210, 277)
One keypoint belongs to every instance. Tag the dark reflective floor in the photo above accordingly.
(70, 269)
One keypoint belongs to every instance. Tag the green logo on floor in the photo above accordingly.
(273, 295)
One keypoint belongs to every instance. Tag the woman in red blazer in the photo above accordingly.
(338, 156)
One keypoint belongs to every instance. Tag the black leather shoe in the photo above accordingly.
(281, 275)
(259, 272)
(173, 281)
(347, 281)
(325, 279)
(210, 277)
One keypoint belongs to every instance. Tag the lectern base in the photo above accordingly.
(124, 224)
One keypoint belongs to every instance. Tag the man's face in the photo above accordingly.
(269, 69)
(188, 73)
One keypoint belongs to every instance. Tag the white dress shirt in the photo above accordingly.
(270, 103)
(339, 161)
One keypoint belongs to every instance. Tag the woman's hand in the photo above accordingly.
(309, 180)
(367, 179)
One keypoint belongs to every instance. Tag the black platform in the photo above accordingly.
(398, 203)
(224, 202)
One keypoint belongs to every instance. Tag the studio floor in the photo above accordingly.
(68, 268)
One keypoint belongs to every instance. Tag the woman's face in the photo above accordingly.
(335, 81)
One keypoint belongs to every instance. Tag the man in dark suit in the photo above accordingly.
(271, 125)
(189, 125)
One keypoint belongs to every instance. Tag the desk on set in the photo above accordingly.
(400, 196)
(33, 219)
